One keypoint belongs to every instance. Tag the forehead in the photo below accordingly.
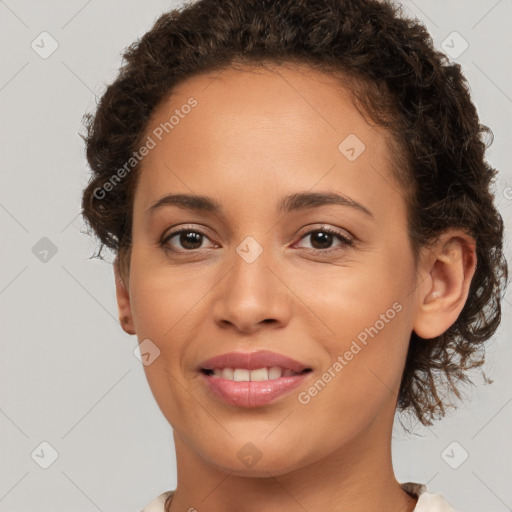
(294, 100)
(264, 127)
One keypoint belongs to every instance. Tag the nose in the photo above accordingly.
(252, 295)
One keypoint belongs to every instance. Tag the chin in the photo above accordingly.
(247, 459)
(260, 470)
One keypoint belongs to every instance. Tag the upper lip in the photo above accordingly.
(252, 361)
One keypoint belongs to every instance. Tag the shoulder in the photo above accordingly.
(427, 502)
(157, 505)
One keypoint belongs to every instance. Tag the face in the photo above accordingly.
(307, 255)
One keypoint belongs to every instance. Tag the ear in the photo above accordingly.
(123, 302)
(445, 274)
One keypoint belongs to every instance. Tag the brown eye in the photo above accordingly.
(187, 239)
(323, 238)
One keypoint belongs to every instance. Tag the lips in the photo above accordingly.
(252, 361)
(252, 379)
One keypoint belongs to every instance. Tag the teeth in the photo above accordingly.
(227, 373)
(258, 375)
(241, 375)
(275, 372)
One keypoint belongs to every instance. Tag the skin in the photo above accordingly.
(256, 136)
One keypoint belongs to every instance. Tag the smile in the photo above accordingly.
(258, 375)
(249, 393)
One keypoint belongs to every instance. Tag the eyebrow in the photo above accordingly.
(292, 202)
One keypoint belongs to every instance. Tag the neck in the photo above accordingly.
(358, 476)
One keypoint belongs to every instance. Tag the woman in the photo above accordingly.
(305, 240)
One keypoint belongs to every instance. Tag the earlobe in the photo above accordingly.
(448, 268)
(123, 301)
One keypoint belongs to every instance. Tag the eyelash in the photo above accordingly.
(345, 241)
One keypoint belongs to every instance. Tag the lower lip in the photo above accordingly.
(252, 394)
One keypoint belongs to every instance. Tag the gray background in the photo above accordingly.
(68, 375)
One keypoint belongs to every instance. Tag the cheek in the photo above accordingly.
(164, 313)
(162, 298)
(362, 377)
(368, 312)
(364, 301)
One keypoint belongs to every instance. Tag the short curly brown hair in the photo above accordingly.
(396, 77)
